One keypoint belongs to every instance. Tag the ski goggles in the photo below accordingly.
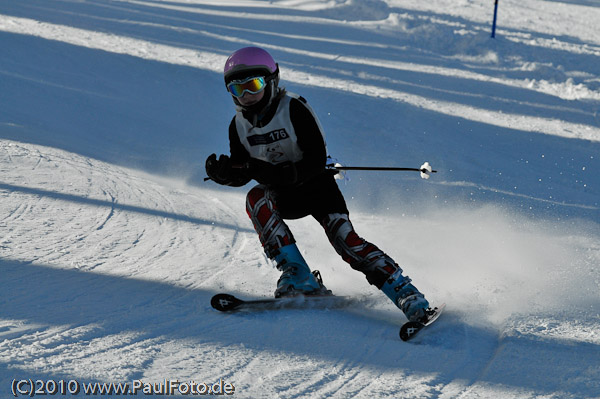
(251, 85)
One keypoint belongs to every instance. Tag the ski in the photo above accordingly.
(411, 328)
(229, 303)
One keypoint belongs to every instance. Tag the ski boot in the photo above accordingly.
(296, 278)
(406, 296)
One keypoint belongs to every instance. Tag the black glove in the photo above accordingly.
(220, 170)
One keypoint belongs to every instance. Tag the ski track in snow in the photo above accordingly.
(107, 266)
(213, 62)
(119, 290)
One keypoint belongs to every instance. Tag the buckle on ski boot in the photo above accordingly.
(290, 290)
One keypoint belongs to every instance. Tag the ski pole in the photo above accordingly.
(425, 169)
(494, 22)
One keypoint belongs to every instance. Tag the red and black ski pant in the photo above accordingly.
(274, 233)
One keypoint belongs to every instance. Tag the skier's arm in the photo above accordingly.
(310, 141)
(224, 170)
(239, 154)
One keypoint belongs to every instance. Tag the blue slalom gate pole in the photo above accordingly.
(495, 14)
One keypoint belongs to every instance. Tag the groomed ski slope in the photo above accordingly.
(111, 243)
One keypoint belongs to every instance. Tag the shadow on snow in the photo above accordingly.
(47, 296)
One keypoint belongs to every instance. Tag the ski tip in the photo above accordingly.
(225, 302)
(409, 329)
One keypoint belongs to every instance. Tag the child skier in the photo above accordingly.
(276, 139)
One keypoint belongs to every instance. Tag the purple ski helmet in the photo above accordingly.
(250, 60)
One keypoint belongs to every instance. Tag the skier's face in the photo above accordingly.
(249, 99)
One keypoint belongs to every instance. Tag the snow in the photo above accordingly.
(111, 243)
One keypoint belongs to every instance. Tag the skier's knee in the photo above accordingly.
(376, 278)
(255, 195)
